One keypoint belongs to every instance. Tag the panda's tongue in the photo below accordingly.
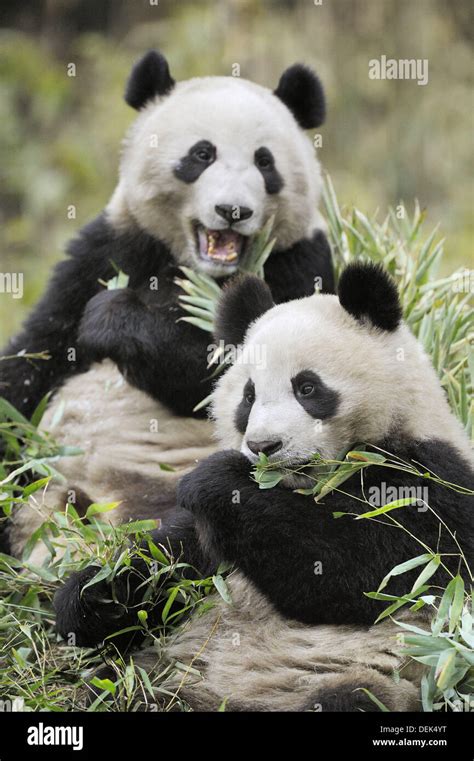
(220, 245)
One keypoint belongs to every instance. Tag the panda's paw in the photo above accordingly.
(85, 617)
(105, 323)
(213, 479)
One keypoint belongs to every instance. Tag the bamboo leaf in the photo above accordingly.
(445, 668)
(104, 684)
(198, 322)
(375, 700)
(427, 572)
(444, 606)
(40, 410)
(102, 574)
(408, 565)
(395, 505)
(171, 598)
(222, 588)
(95, 508)
(457, 603)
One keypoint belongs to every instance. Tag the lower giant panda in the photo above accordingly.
(204, 167)
(314, 376)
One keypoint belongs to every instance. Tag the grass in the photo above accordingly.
(37, 672)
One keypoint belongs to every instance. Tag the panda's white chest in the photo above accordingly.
(125, 438)
(119, 427)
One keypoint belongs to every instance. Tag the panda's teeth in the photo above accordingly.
(211, 244)
(223, 247)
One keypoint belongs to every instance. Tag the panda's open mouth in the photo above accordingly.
(220, 246)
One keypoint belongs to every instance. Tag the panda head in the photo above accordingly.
(323, 373)
(209, 160)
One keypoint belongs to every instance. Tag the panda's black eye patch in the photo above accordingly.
(319, 401)
(265, 163)
(190, 167)
(242, 412)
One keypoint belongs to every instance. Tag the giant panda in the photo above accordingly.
(315, 375)
(204, 166)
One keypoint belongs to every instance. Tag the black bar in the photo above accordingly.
(152, 735)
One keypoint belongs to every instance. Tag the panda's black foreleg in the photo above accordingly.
(294, 551)
(313, 563)
(159, 355)
(86, 615)
(50, 330)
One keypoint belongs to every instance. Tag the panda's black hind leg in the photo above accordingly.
(347, 692)
(350, 699)
(85, 617)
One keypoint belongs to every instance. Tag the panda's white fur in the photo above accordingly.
(238, 116)
(249, 657)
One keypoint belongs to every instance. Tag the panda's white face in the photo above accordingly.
(206, 166)
(312, 379)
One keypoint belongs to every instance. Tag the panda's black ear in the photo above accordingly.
(243, 300)
(149, 77)
(367, 291)
(302, 92)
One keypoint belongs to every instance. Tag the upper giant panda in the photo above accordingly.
(316, 375)
(204, 166)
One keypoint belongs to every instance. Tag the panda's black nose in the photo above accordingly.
(233, 213)
(267, 447)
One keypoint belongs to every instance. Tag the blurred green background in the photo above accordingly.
(384, 141)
